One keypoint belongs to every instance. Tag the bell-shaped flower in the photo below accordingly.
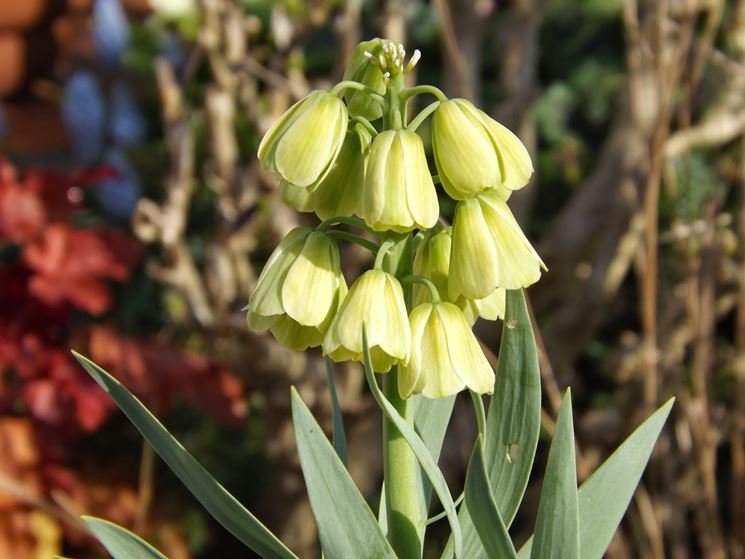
(432, 260)
(473, 152)
(376, 302)
(361, 70)
(489, 249)
(445, 356)
(398, 192)
(301, 146)
(340, 190)
(299, 290)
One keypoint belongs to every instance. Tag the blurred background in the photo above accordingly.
(134, 219)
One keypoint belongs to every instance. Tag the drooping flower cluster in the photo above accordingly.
(350, 156)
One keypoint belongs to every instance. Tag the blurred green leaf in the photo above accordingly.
(213, 496)
(346, 525)
(605, 496)
(339, 437)
(557, 524)
(120, 542)
(419, 449)
(483, 508)
(513, 423)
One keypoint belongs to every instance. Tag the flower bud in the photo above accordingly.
(398, 192)
(340, 190)
(473, 152)
(432, 260)
(489, 249)
(361, 70)
(298, 290)
(301, 146)
(445, 356)
(375, 300)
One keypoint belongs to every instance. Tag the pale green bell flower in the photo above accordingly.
(432, 260)
(375, 301)
(299, 289)
(361, 70)
(339, 193)
(445, 356)
(398, 192)
(489, 249)
(473, 152)
(301, 146)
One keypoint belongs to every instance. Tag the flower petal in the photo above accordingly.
(514, 158)
(421, 196)
(309, 289)
(467, 358)
(312, 141)
(438, 377)
(465, 157)
(519, 263)
(295, 336)
(266, 299)
(474, 268)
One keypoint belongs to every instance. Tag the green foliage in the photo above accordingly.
(339, 437)
(513, 423)
(557, 525)
(346, 525)
(421, 451)
(213, 496)
(482, 508)
(604, 497)
(120, 542)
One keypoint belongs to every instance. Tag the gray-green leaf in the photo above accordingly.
(346, 525)
(513, 423)
(483, 509)
(233, 516)
(605, 496)
(557, 524)
(120, 542)
(338, 435)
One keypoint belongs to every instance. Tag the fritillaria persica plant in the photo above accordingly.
(354, 157)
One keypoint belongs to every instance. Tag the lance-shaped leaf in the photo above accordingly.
(483, 509)
(419, 449)
(120, 542)
(513, 423)
(338, 435)
(346, 525)
(605, 496)
(225, 508)
(557, 525)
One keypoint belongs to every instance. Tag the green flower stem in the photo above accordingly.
(406, 519)
(443, 514)
(382, 250)
(426, 282)
(346, 220)
(366, 123)
(349, 84)
(478, 407)
(393, 113)
(403, 489)
(354, 238)
(422, 116)
(436, 179)
(407, 94)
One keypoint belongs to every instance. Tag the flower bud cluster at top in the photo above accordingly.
(351, 156)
